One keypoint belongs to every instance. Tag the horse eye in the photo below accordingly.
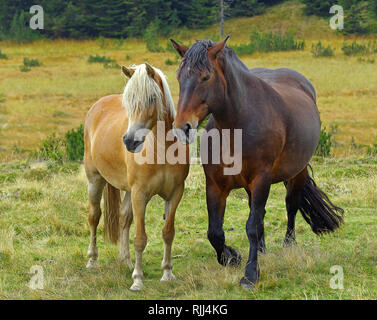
(206, 78)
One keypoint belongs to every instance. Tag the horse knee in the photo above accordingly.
(255, 232)
(140, 243)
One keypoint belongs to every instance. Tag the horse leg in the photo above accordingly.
(292, 202)
(139, 203)
(96, 185)
(126, 217)
(168, 233)
(262, 243)
(260, 189)
(216, 202)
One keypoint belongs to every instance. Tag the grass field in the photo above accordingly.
(43, 210)
(43, 222)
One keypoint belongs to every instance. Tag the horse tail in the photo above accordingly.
(112, 202)
(317, 209)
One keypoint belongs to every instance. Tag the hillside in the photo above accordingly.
(56, 96)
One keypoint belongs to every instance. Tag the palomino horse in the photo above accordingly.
(145, 102)
(277, 112)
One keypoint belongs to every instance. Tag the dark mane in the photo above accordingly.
(196, 59)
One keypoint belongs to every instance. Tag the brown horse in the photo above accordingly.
(277, 112)
(146, 100)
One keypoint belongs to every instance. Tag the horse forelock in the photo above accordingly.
(196, 59)
(142, 92)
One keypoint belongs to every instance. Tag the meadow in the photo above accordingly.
(43, 206)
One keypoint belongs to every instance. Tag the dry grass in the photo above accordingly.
(43, 222)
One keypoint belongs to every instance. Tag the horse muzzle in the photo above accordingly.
(186, 134)
(133, 145)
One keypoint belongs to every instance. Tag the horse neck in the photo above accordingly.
(239, 84)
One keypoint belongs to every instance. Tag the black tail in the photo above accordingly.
(317, 209)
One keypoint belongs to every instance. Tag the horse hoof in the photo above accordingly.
(137, 287)
(168, 276)
(289, 242)
(247, 284)
(91, 264)
(230, 257)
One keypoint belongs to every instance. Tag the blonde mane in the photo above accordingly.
(142, 92)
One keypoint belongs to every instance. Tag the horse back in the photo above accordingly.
(285, 78)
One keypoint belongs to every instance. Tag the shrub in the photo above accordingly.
(31, 62)
(269, 42)
(108, 63)
(151, 34)
(319, 51)
(324, 144)
(69, 147)
(53, 148)
(356, 48)
(171, 62)
(3, 55)
(99, 59)
(75, 143)
(25, 68)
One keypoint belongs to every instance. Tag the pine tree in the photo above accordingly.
(318, 7)
(246, 8)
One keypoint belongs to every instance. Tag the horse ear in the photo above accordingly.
(128, 72)
(150, 70)
(181, 49)
(214, 51)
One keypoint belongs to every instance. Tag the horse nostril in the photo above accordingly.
(186, 128)
(125, 139)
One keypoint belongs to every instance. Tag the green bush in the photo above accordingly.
(53, 148)
(31, 62)
(25, 68)
(319, 51)
(356, 48)
(269, 42)
(75, 144)
(108, 63)
(3, 55)
(58, 149)
(151, 35)
(171, 62)
(99, 59)
(325, 143)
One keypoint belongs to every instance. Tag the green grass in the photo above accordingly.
(43, 222)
